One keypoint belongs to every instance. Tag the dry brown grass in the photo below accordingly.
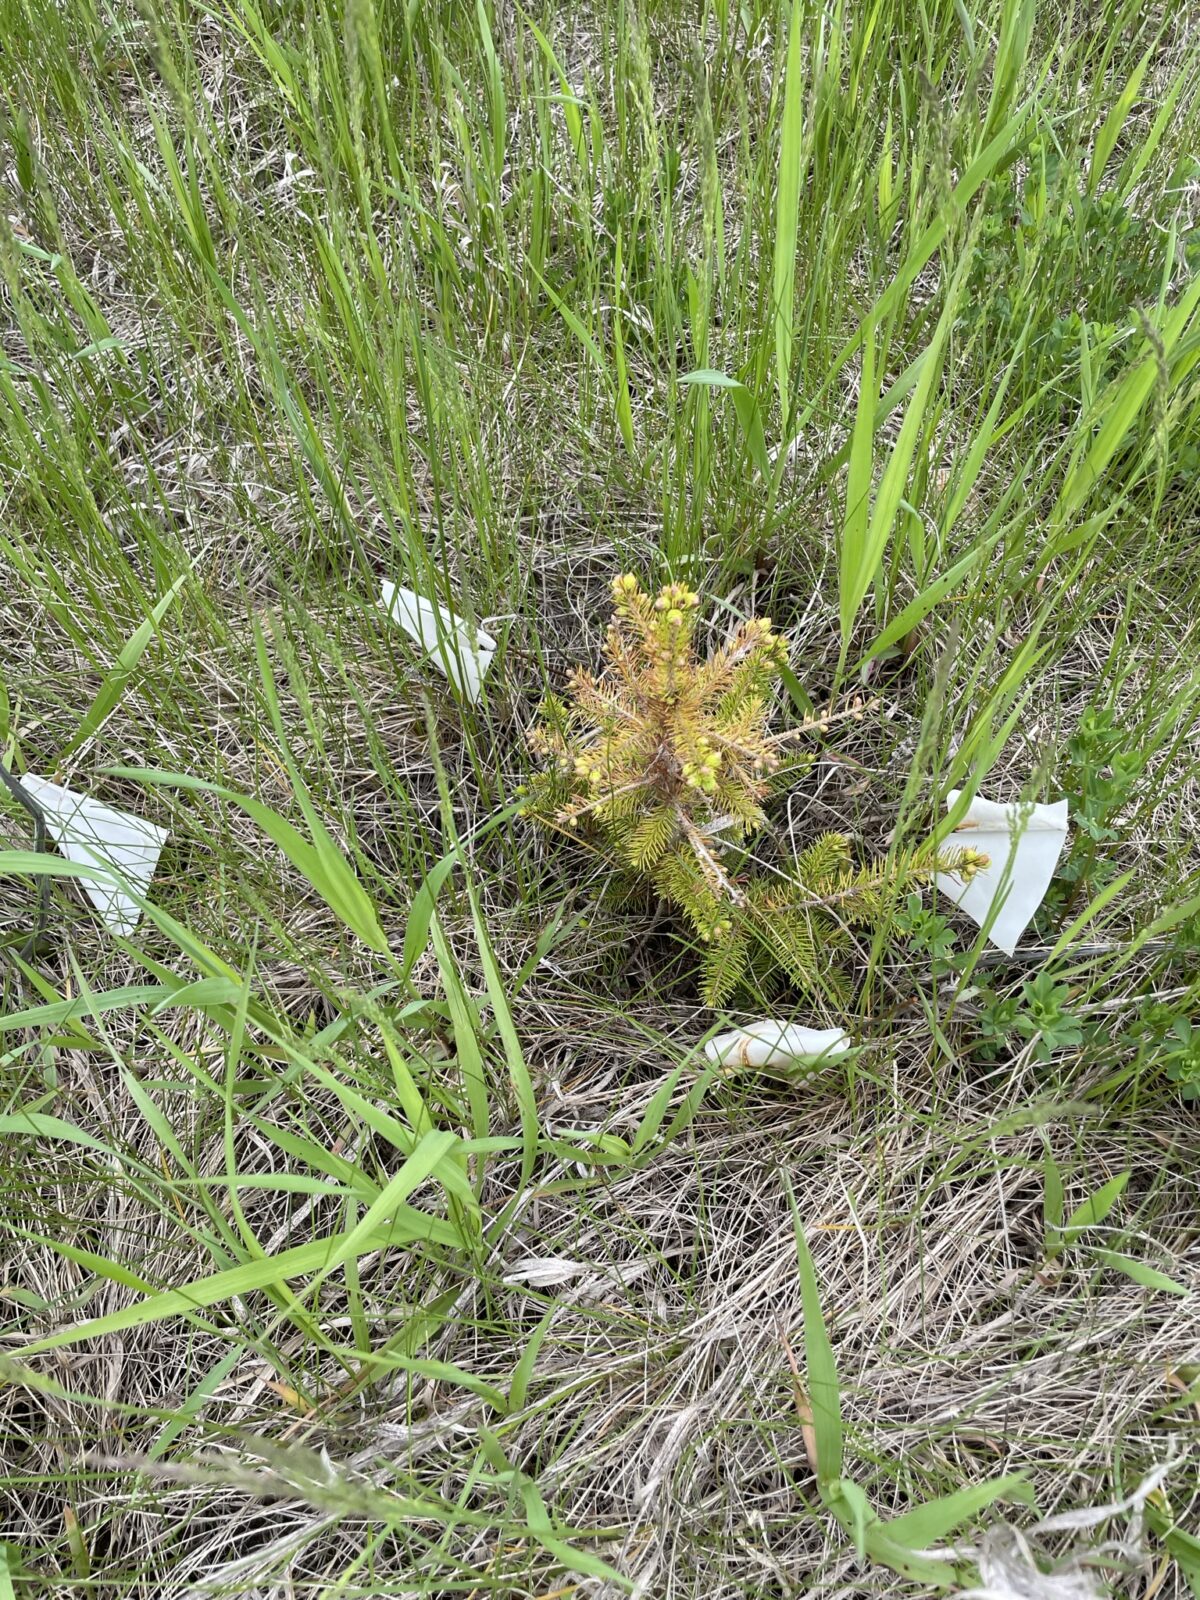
(660, 1423)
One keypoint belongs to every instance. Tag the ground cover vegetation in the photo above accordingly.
(372, 1221)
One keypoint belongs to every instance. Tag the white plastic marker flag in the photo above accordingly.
(776, 1044)
(95, 835)
(462, 654)
(1023, 843)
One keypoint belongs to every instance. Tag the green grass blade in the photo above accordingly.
(317, 859)
(1053, 1196)
(1005, 142)
(1110, 128)
(1183, 1546)
(192, 1405)
(1090, 912)
(42, 1125)
(518, 1071)
(464, 1018)
(1130, 394)
(514, 1056)
(1138, 1271)
(1094, 1209)
(787, 205)
(823, 1390)
(428, 1155)
(522, 1375)
(848, 1501)
(299, 1262)
(1012, 50)
(573, 322)
(1145, 150)
(623, 402)
(862, 558)
(854, 565)
(746, 409)
(117, 679)
(926, 1524)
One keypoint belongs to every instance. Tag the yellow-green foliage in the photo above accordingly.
(798, 926)
(667, 755)
(670, 757)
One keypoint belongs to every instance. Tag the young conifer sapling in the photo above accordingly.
(669, 757)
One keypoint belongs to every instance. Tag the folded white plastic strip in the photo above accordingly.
(1023, 843)
(95, 835)
(768, 1043)
(463, 654)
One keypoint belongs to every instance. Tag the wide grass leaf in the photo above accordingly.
(317, 859)
(924, 1525)
(262, 1273)
(823, 1392)
(787, 202)
(122, 669)
(1139, 1272)
(1095, 1208)
(746, 408)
